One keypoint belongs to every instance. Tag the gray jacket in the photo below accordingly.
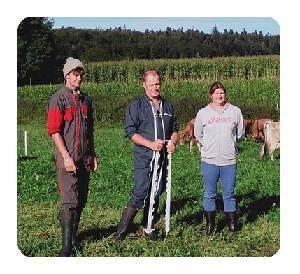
(72, 116)
(219, 134)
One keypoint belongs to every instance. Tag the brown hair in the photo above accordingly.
(215, 86)
(79, 69)
(152, 72)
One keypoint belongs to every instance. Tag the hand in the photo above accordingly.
(70, 165)
(95, 164)
(157, 145)
(171, 148)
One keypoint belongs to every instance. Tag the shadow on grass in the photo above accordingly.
(25, 158)
(251, 208)
(96, 234)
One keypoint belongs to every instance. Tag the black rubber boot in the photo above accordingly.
(210, 221)
(66, 223)
(231, 219)
(76, 220)
(127, 217)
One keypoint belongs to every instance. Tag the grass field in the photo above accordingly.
(252, 84)
(257, 191)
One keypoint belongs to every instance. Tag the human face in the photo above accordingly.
(152, 86)
(218, 97)
(74, 79)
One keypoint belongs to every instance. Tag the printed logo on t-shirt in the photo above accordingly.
(219, 120)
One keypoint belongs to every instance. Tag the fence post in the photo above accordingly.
(25, 142)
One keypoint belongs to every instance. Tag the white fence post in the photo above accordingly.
(25, 142)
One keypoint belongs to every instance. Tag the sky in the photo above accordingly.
(205, 24)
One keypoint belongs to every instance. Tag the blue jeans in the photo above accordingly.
(227, 175)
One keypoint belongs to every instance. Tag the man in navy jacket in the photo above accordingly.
(150, 123)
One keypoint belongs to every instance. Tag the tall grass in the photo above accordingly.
(252, 91)
(257, 98)
(221, 68)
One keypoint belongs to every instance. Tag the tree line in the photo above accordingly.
(43, 50)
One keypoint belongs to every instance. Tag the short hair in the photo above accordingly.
(152, 72)
(78, 69)
(215, 86)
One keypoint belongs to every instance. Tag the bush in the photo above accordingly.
(108, 109)
(187, 108)
(29, 110)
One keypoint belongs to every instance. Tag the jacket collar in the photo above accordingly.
(148, 98)
(74, 92)
(225, 107)
(148, 101)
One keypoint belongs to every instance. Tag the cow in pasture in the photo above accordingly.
(188, 131)
(258, 128)
(248, 123)
(272, 138)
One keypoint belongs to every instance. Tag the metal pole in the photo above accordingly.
(154, 189)
(168, 190)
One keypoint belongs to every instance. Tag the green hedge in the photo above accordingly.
(108, 109)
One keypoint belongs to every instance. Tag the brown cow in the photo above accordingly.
(247, 123)
(272, 138)
(188, 131)
(258, 128)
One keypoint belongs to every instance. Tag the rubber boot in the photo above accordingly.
(210, 221)
(66, 223)
(231, 219)
(76, 220)
(127, 217)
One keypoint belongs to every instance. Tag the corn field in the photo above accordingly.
(252, 83)
(222, 68)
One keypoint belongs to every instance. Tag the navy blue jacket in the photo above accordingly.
(139, 119)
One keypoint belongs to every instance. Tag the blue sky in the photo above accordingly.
(205, 24)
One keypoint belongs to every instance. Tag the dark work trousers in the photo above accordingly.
(142, 183)
(73, 188)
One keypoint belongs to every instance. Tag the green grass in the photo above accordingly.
(256, 98)
(252, 84)
(238, 90)
(257, 191)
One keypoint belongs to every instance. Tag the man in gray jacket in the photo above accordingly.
(142, 115)
(70, 125)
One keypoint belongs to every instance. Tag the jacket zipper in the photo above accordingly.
(76, 151)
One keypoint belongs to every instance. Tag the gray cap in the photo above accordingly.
(72, 63)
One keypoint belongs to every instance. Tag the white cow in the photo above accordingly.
(272, 138)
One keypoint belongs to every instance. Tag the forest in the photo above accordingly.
(42, 50)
